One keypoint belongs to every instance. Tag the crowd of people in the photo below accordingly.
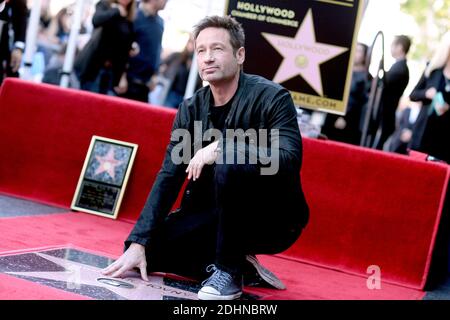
(424, 125)
(124, 57)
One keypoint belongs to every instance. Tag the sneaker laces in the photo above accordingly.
(219, 279)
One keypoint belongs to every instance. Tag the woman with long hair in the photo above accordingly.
(433, 90)
(101, 65)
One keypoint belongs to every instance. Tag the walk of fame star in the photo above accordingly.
(88, 280)
(303, 54)
(108, 163)
(79, 272)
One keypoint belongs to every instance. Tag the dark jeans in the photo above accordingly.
(241, 213)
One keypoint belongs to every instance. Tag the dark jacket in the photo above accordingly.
(431, 132)
(111, 46)
(149, 31)
(17, 17)
(397, 145)
(395, 82)
(15, 14)
(356, 103)
(258, 103)
(435, 80)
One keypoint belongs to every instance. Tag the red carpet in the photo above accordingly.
(308, 282)
(370, 208)
(106, 236)
(367, 207)
(81, 230)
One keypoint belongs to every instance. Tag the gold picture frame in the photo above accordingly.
(104, 177)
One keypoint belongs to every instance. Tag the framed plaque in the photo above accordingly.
(104, 177)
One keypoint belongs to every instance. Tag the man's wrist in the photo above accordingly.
(137, 245)
(19, 45)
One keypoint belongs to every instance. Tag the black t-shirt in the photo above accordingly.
(219, 114)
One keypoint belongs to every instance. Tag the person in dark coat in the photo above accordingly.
(101, 64)
(433, 90)
(149, 29)
(395, 82)
(402, 139)
(231, 210)
(14, 13)
(348, 128)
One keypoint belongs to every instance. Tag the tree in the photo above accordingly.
(432, 18)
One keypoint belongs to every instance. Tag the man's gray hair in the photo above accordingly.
(234, 28)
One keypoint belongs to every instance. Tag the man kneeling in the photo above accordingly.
(244, 195)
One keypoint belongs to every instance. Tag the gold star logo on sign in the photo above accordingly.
(302, 54)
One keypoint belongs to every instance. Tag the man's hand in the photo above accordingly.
(16, 59)
(441, 108)
(340, 123)
(406, 135)
(122, 88)
(135, 49)
(151, 84)
(430, 93)
(134, 257)
(207, 155)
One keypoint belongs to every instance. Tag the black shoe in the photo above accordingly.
(220, 285)
(256, 275)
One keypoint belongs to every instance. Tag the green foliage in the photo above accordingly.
(432, 17)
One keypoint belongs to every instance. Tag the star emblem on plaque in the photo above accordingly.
(104, 176)
(306, 46)
(303, 55)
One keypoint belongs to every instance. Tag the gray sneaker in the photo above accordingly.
(256, 275)
(220, 285)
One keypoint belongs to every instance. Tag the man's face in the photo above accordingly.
(124, 3)
(396, 49)
(157, 4)
(215, 57)
(360, 54)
